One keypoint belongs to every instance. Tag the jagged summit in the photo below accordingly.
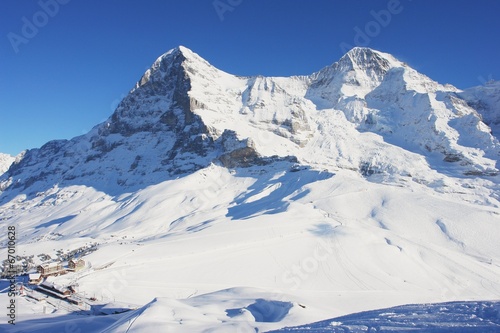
(354, 75)
(366, 58)
(179, 51)
(173, 57)
(361, 59)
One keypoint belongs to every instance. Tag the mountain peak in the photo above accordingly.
(357, 73)
(185, 51)
(360, 64)
(174, 57)
(366, 58)
(179, 50)
(361, 49)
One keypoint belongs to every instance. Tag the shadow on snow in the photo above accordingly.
(272, 193)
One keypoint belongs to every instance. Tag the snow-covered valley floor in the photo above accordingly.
(260, 249)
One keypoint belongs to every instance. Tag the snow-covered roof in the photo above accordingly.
(51, 285)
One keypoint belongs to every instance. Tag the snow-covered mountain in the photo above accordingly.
(363, 185)
(184, 114)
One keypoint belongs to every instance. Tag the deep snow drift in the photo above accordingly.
(210, 202)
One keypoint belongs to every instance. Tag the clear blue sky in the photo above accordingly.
(67, 75)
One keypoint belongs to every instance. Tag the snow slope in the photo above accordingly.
(334, 243)
(226, 203)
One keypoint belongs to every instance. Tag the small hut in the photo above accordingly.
(35, 278)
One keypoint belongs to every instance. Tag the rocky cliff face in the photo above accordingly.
(367, 112)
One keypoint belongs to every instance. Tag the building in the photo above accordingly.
(35, 278)
(76, 264)
(53, 268)
(55, 290)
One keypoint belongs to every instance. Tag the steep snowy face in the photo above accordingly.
(379, 94)
(5, 162)
(322, 119)
(158, 112)
(485, 100)
(419, 115)
(357, 73)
